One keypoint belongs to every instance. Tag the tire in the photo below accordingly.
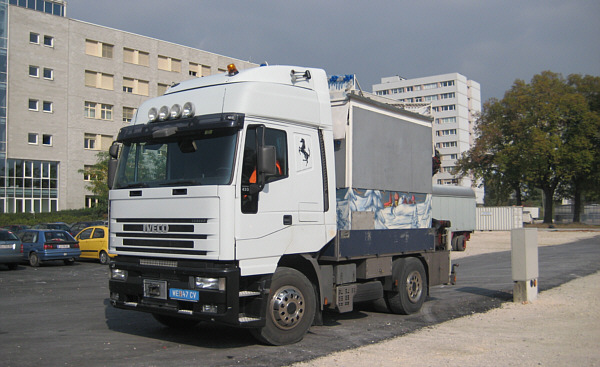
(459, 243)
(34, 260)
(290, 310)
(411, 289)
(70, 261)
(103, 257)
(175, 322)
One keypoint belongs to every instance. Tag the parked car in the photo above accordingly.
(58, 225)
(93, 243)
(48, 244)
(10, 249)
(16, 227)
(79, 226)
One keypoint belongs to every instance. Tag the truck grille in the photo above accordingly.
(181, 236)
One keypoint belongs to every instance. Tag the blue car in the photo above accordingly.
(47, 244)
(10, 249)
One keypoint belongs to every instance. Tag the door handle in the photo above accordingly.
(287, 220)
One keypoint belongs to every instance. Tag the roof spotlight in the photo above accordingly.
(163, 113)
(188, 110)
(152, 114)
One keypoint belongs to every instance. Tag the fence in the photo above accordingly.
(590, 215)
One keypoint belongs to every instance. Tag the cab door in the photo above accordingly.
(97, 241)
(287, 215)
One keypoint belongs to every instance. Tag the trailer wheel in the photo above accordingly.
(411, 288)
(290, 308)
(459, 243)
(175, 322)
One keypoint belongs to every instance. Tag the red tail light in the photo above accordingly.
(21, 248)
(76, 245)
(48, 246)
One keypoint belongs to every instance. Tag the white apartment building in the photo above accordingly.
(66, 88)
(455, 105)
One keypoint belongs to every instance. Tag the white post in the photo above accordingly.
(524, 258)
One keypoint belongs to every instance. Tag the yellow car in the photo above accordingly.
(93, 243)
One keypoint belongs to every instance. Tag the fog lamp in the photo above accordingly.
(118, 274)
(210, 283)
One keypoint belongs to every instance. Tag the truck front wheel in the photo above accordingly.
(410, 286)
(290, 308)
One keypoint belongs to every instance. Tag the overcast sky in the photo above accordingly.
(491, 42)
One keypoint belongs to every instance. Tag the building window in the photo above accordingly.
(447, 83)
(87, 176)
(409, 89)
(34, 38)
(89, 110)
(430, 98)
(447, 144)
(34, 71)
(446, 132)
(106, 111)
(128, 113)
(446, 120)
(418, 99)
(33, 104)
(450, 107)
(101, 111)
(48, 41)
(47, 139)
(194, 69)
(161, 89)
(48, 74)
(47, 106)
(169, 64)
(91, 201)
(136, 57)
(447, 95)
(99, 49)
(89, 142)
(32, 138)
(430, 86)
(135, 86)
(98, 80)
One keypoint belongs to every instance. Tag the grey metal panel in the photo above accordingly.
(389, 153)
(340, 163)
(360, 244)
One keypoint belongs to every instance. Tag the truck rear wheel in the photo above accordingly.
(411, 289)
(459, 243)
(290, 308)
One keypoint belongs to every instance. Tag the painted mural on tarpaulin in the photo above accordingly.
(392, 209)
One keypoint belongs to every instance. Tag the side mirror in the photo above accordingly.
(267, 161)
(113, 152)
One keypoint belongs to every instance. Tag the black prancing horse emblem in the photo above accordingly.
(305, 153)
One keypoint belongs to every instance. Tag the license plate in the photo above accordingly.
(7, 246)
(155, 288)
(184, 294)
(64, 246)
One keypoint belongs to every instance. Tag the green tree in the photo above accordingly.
(98, 178)
(540, 135)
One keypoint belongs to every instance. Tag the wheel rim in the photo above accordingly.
(33, 259)
(287, 306)
(414, 286)
(103, 257)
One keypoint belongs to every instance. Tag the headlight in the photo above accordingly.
(210, 283)
(188, 110)
(152, 114)
(175, 111)
(118, 274)
(163, 113)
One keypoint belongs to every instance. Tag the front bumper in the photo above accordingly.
(229, 306)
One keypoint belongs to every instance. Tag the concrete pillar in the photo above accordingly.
(524, 260)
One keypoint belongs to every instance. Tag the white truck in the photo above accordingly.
(261, 198)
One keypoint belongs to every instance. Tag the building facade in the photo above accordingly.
(66, 88)
(455, 106)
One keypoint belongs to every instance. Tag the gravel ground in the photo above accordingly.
(560, 328)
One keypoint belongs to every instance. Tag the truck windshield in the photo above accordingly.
(205, 158)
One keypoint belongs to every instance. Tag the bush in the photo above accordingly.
(67, 216)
